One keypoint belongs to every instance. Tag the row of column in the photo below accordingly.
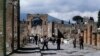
(91, 38)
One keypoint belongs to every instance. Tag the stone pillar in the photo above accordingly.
(90, 35)
(50, 30)
(15, 26)
(84, 36)
(53, 26)
(98, 39)
(95, 39)
(9, 15)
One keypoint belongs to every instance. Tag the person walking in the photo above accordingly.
(81, 41)
(33, 39)
(36, 39)
(58, 43)
(74, 42)
(53, 40)
(45, 43)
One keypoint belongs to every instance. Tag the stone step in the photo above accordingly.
(27, 51)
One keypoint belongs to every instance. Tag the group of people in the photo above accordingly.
(81, 42)
(44, 41)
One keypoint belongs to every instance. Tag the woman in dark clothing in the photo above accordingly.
(58, 43)
(45, 43)
(74, 43)
(81, 41)
(36, 39)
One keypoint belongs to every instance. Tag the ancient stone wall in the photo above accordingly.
(43, 27)
(11, 26)
(9, 14)
(23, 33)
(91, 36)
(1, 28)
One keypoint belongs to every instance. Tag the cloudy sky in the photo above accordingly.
(61, 9)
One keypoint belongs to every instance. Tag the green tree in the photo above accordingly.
(91, 18)
(98, 23)
(78, 19)
(69, 22)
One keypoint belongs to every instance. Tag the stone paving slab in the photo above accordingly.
(27, 54)
(66, 50)
(30, 52)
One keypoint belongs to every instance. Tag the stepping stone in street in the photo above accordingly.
(76, 55)
(71, 52)
(85, 52)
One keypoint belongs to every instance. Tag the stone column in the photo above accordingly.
(84, 36)
(90, 35)
(95, 39)
(98, 39)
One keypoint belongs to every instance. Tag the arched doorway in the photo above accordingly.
(36, 25)
(36, 21)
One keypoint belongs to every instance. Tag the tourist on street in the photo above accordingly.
(74, 42)
(53, 40)
(81, 41)
(58, 43)
(33, 39)
(36, 39)
(41, 40)
(45, 42)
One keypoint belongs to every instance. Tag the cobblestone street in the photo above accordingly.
(66, 50)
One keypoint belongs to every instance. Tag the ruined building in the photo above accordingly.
(90, 32)
(44, 24)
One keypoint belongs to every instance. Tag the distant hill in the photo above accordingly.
(50, 18)
(23, 16)
(53, 19)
